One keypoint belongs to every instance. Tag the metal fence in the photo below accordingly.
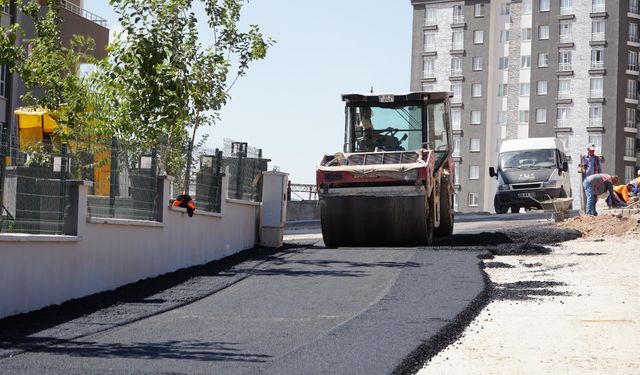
(36, 189)
(35, 193)
(125, 186)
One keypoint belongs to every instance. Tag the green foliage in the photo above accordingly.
(161, 84)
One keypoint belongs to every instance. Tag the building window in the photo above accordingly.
(456, 174)
(631, 118)
(629, 173)
(596, 140)
(478, 10)
(525, 88)
(477, 63)
(428, 70)
(456, 89)
(5, 9)
(633, 6)
(458, 15)
(543, 59)
(564, 88)
(474, 145)
(566, 34)
(563, 116)
(3, 81)
(476, 90)
(566, 7)
(501, 119)
(526, 7)
(597, 58)
(478, 36)
(503, 63)
(474, 172)
(455, 198)
(541, 88)
(505, 9)
(632, 89)
(525, 62)
(564, 60)
(523, 117)
(543, 32)
(596, 87)
(430, 16)
(526, 34)
(476, 117)
(504, 36)
(633, 32)
(595, 115)
(473, 200)
(597, 6)
(544, 6)
(630, 147)
(541, 115)
(502, 89)
(429, 42)
(428, 87)
(456, 147)
(597, 31)
(457, 40)
(456, 66)
(456, 116)
(632, 61)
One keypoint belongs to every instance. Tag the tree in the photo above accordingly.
(161, 83)
(50, 74)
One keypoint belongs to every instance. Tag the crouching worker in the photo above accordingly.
(622, 192)
(184, 201)
(595, 185)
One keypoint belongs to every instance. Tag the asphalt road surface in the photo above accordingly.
(303, 309)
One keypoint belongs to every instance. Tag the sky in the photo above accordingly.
(289, 104)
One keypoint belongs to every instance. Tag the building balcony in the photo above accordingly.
(597, 65)
(564, 67)
(595, 122)
(565, 11)
(457, 19)
(598, 8)
(428, 74)
(429, 48)
(76, 9)
(457, 46)
(595, 94)
(563, 123)
(633, 8)
(564, 94)
(456, 72)
(566, 38)
(430, 22)
(456, 99)
(597, 37)
(631, 124)
(633, 38)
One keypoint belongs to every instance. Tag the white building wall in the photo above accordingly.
(40, 270)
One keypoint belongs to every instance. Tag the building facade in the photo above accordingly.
(75, 20)
(531, 68)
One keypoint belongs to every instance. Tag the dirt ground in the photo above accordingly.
(604, 225)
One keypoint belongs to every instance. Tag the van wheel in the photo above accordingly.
(500, 209)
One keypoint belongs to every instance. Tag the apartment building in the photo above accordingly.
(531, 68)
(75, 20)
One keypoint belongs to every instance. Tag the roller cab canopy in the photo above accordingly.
(33, 125)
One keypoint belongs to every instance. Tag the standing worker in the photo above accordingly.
(595, 185)
(589, 165)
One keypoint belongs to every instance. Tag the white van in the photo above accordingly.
(530, 170)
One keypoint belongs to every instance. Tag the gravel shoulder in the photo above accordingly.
(573, 310)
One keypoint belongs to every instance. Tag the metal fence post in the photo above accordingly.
(113, 177)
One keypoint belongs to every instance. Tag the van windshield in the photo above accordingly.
(528, 159)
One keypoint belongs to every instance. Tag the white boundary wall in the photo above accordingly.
(41, 270)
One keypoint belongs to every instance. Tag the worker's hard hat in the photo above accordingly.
(591, 147)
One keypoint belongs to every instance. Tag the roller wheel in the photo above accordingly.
(430, 230)
(446, 210)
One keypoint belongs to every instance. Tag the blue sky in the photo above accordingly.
(289, 104)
